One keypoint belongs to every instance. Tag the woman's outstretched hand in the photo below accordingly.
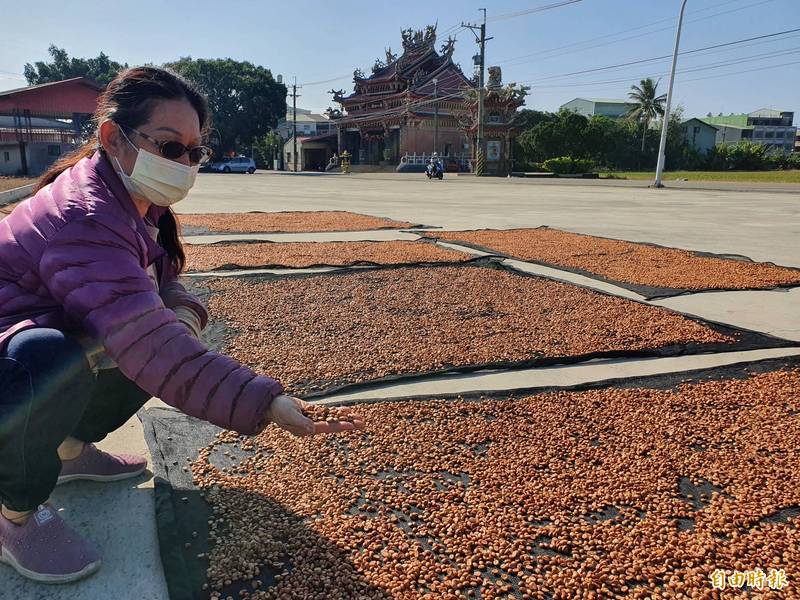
(288, 413)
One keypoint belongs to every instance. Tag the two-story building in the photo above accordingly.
(39, 123)
(309, 124)
(772, 128)
(700, 135)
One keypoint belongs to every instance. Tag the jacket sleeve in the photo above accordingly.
(174, 294)
(93, 267)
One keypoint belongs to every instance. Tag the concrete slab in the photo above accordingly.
(558, 376)
(669, 183)
(245, 272)
(568, 277)
(382, 235)
(776, 312)
(758, 223)
(465, 249)
(118, 518)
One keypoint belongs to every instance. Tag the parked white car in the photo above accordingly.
(236, 164)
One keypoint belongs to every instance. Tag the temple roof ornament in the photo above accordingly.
(448, 47)
(495, 78)
(412, 72)
(419, 39)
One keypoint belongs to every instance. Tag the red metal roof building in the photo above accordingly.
(39, 123)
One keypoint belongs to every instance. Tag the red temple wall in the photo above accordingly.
(420, 140)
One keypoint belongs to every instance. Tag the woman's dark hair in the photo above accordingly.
(128, 101)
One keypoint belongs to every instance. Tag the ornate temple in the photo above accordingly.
(391, 115)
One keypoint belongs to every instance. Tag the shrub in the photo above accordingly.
(744, 156)
(566, 165)
(779, 159)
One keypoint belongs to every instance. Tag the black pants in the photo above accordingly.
(47, 393)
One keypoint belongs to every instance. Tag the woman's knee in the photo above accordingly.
(43, 351)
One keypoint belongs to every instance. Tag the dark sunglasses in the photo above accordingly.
(174, 150)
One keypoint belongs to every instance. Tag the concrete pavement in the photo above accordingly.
(764, 225)
(760, 223)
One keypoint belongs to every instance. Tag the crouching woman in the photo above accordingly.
(93, 321)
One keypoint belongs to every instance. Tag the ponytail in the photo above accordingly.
(168, 232)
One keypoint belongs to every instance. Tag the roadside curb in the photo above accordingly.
(19, 193)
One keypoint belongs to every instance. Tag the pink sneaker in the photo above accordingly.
(47, 550)
(96, 465)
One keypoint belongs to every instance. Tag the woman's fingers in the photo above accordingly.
(296, 421)
(333, 427)
(337, 426)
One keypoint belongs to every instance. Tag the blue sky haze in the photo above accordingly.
(318, 41)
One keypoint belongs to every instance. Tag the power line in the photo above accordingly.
(666, 56)
(529, 11)
(718, 76)
(453, 29)
(705, 67)
(764, 68)
(540, 54)
(348, 76)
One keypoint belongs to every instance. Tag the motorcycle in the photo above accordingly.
(435, 170)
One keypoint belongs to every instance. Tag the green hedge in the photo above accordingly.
(566, 165)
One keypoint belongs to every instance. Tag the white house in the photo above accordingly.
(589, 107)
(308, 124)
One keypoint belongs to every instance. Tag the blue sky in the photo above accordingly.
(315, 40)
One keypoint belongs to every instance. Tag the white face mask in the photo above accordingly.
(160, 180)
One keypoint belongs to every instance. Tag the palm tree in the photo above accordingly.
(648, 106)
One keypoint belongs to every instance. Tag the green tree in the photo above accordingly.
(678, 153)
(245, 100)
(560, 135)
(611, 143)
(648, 105)
(527, 118)
(266, 148)
(102, 69)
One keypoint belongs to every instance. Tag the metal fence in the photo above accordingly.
(464, 160)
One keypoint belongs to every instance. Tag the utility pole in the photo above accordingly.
(480, 156)
(294, 96)
(436, 115)
(665, 123)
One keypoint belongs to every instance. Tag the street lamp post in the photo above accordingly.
(665, 123)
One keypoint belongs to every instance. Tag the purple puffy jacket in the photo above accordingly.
(74, 258)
